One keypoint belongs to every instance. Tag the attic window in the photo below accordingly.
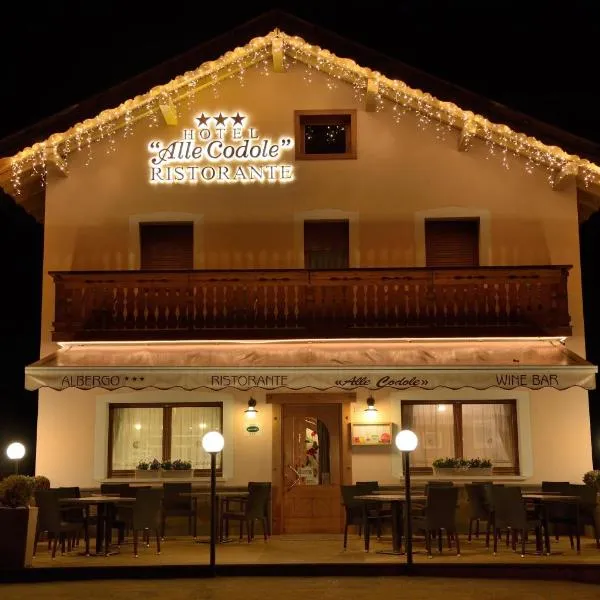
(325, 134)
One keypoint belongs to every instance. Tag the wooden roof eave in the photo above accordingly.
(469, 124)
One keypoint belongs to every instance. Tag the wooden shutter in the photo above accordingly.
(167, 246)
(452, 242)
(326, 244)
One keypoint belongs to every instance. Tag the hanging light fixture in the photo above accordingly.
(370, 410)
(251, 411)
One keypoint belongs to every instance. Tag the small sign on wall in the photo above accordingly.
(252, 429)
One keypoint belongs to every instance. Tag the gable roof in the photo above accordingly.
(52, 139)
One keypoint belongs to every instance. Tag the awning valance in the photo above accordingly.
(314, 365)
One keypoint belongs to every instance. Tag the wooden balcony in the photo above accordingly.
(270, 304)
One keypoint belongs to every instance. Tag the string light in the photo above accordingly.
(498, 139)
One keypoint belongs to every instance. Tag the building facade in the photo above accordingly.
(286, 227)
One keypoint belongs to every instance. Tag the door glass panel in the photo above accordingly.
(309, 463)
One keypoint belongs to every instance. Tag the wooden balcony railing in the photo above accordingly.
(408, 302)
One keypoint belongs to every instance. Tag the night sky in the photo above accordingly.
(539, 57)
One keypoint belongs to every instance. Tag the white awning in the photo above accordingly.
(314, 365)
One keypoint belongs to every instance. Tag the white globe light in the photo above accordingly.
(213, 441)
(15, 451)
(406, 440)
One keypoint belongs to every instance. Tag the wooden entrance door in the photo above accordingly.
(311, 465)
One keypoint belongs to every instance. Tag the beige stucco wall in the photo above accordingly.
(554, 437)
(403, 174)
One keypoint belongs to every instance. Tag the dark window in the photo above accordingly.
(168, 246)
(452, 242)
(321, 135)
(326, 244)
(142, 432)
(464, 429)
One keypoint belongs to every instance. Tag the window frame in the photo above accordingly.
(458, 431)
(325, 117)
(308, 223)
(453, 220)
(167, 433)
(144, 228)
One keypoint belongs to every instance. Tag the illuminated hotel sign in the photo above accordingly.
(220, 149)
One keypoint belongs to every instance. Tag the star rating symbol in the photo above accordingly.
(203, 120)
(220, 119)
(237, 120)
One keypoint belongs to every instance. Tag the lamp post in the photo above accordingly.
(406, 442)
(213, 443)
(16, 451)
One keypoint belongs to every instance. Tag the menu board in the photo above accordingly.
(371, 434)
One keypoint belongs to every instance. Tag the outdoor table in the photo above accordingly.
(106, 507)
(222, 496)
(396, 501)
(545, 500)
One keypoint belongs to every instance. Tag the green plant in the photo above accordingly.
(143, 465)
(479, 463)
(592, 478)
(449, 463)
(155, 465)
(16, 491)
(462, 463)
(167, 465)
(41, 483)
(181, 465)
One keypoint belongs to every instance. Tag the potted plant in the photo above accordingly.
(148, 469)
(178, 468)
(592, 479)
(18, 521)
(40, 483)
(470, 467)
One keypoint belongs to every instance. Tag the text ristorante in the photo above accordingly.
(221, 149)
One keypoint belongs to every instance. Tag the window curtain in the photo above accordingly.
(188, 425)
(434, 426)
(137, 435)
(488, 433)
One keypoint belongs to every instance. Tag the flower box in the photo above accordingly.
(177, 473)
(147, 473)
(462, 471)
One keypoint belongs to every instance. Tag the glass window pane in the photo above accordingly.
(325, 139)
(137, 435)
(434, 426)
(488, 433)
(189, 424)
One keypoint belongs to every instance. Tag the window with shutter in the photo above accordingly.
(326, 244)
(452, 242)
(167, 246)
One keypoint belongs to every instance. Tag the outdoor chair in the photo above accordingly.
(266, 484)
(253, 509)
(146, 516)
(439, 514)
(510, 514)
(122, 518)
(378, 512)
(176, 505)
(74, 514)
(116, 489)
(587, 512)
(557, 513)
(51, 520)
(479, 509)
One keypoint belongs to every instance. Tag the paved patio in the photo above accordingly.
(315, 549)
